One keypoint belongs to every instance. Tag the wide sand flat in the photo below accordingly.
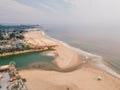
(82, 79)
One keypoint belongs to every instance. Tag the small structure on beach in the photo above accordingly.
(99, 78)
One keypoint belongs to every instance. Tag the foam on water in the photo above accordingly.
(94, 59)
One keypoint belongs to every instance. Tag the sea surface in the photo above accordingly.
(102, 41)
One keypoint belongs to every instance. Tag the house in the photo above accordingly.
(6, 47)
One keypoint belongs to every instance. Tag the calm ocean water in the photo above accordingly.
(101, 41)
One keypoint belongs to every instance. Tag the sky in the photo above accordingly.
(60, 12)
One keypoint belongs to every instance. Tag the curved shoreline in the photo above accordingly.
(65, 56)
(96, 60)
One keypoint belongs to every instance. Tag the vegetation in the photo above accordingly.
(1, 36)
(12, 35)
(11, 38)
(17, 27)
(14, 31)
(20, 37)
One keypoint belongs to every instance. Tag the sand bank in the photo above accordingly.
(66, 58)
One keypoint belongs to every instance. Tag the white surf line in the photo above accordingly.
(98, 60)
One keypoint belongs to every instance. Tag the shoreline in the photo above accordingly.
(21, 52)
(83, 78)
(96, 60)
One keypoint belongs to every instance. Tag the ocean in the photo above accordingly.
(102, 41)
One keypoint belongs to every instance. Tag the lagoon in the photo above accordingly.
(23, 60)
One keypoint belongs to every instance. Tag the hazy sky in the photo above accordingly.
(68, 12)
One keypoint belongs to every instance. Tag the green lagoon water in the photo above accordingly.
(23, 60)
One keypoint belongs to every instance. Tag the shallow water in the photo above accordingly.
(102, 41)
(23, 60)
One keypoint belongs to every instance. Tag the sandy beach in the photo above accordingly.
(84, 78)
(66, 58)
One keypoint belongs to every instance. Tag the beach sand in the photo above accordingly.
(84, 78)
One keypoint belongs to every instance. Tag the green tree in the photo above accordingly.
(20, 37)
(1, 36)
(12, 35)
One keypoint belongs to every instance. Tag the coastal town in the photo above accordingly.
(10, 78)
(12, 40)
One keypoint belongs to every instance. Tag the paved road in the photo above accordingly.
(4, 81)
